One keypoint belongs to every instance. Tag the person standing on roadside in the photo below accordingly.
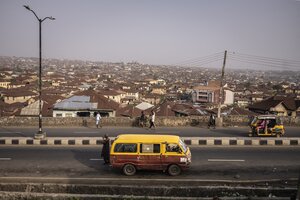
(142, 119)
(211, 121)
(105, 149)
(98, 120)
(152, 120)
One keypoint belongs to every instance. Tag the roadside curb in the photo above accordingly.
(117, 191)
(200, 141)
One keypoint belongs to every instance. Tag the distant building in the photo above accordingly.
(158, 90)
(113, 95)
(152, 98)
(19, 95)
(241, 102)
(206, 93)
(32, 109)
(210, 93)
(85, 104)
(159, 82)
(228, 97)
(129, 96)
(4, 83)
(85, 86)
(279, 105)
(144, 106)
(74, 106)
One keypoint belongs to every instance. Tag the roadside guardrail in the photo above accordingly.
(200, 141)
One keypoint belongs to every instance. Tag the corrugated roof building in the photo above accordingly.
(85, 104)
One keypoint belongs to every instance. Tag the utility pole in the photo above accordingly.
(219, 120)
(298, 192)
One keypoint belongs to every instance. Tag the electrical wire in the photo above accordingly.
(264, 58)
(242, 58)
(264, 61)
(201, 60)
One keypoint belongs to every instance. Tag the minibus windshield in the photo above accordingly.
(183, 146)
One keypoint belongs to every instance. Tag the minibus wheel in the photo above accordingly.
(174, 170)
(129, 169)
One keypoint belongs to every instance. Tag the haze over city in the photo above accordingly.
(149, 99)
(156, 32)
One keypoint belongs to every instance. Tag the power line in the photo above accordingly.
(264, 61)
(269, 62)
(200, 63)
(201, 60)
(278, 63)
(265, 58)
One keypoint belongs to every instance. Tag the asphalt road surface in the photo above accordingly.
(114, 131)
(208, 163)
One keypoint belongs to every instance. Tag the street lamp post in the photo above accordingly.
(40, 134)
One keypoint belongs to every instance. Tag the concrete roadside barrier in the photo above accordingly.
(241, 141)
(199, 141)
(142, 191)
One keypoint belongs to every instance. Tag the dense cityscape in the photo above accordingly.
(115, 99)
(184, 91)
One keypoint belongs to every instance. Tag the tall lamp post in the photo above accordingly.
(40, 134)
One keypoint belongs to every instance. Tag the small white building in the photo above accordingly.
(144, 106)
(229, 97)
(74, 106)
(80, 106)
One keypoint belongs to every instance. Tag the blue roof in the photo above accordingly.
(78, 99)
(76, 103)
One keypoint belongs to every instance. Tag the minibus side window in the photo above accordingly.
(150, 148)
(125, 148)
(171, 147)
(156, 148)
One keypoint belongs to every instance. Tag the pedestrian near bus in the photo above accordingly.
(152, 120)
(105, 149)
(142, 119)
(98, 120)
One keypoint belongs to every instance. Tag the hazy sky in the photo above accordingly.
(151, 31)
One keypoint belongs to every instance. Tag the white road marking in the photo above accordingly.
(85, 132)
(10, 132)
(94, 159)
(135, 179)
(4, 159)
(224, 160)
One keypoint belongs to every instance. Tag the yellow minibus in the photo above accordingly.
(132, 152)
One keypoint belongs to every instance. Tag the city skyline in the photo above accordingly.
(154, 32)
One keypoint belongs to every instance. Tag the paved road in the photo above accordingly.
(214, 163)
(114, 131)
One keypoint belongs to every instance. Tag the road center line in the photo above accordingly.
(137, 179)
(5, 159)
(10, 132)
(95, 159)
(85, 132)
(224, 160)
